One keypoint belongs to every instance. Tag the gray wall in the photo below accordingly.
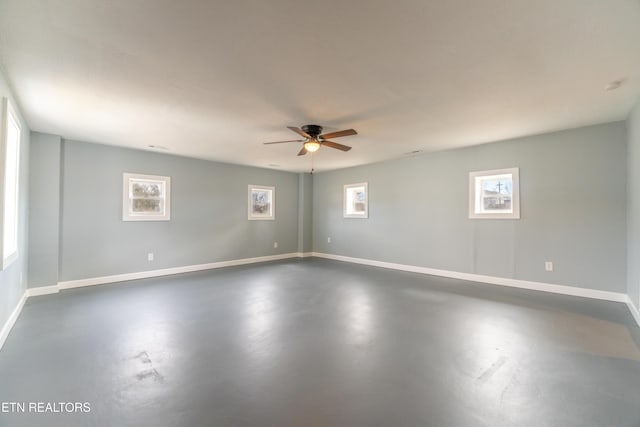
(305, 212)
(13, 280)
(633, 212)
(44, 215)
(573, 210)
(208, 213)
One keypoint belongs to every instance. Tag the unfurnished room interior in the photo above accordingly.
(337, 213)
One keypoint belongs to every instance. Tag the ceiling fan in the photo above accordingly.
(314, 139)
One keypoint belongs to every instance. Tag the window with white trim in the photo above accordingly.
(262, 202)
(494, 194)
(10, 154)
(356, 200)
(146, 197)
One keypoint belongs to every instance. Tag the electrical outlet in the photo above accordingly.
(150, 256)
(275, 245)
(548, 266)
(328, 239)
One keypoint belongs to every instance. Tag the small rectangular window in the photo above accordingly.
(262, 202)
(356, 200)
(10, 154)
(494, 194)
(146, 197)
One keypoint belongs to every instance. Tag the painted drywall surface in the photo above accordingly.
(633, 206)
(208, 213)
(305, 212)
(44, 209)
(13, 279)
(573, 210)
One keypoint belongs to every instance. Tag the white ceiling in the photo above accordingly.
(215, 80)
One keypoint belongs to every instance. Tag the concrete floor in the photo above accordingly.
(321, 343)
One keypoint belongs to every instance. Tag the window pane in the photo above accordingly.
(146, 205)
(10, 240)
(261, 202)
(495, 193)
(146, 189)
(356, 200)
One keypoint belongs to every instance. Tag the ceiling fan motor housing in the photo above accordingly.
(313, 130)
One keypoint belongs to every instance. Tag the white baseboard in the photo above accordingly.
(6, 329)
(53, 289)
(538, 286)
(516, 283)
(42, 290)
(69, 284)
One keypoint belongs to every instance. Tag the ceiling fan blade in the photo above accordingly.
(302, 152)
(336, 145)
(338, 134)
(280, 142)
(300, 132)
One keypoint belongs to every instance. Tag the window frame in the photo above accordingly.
(345, 205)
(272, 200)
(475, 194)
(127, 199)
(9, 116)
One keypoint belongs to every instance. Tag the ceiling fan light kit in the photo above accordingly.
(312, 146)
(314, 139)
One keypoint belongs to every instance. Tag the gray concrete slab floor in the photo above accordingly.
(319, 343)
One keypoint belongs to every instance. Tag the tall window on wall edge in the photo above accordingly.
(10, 157)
